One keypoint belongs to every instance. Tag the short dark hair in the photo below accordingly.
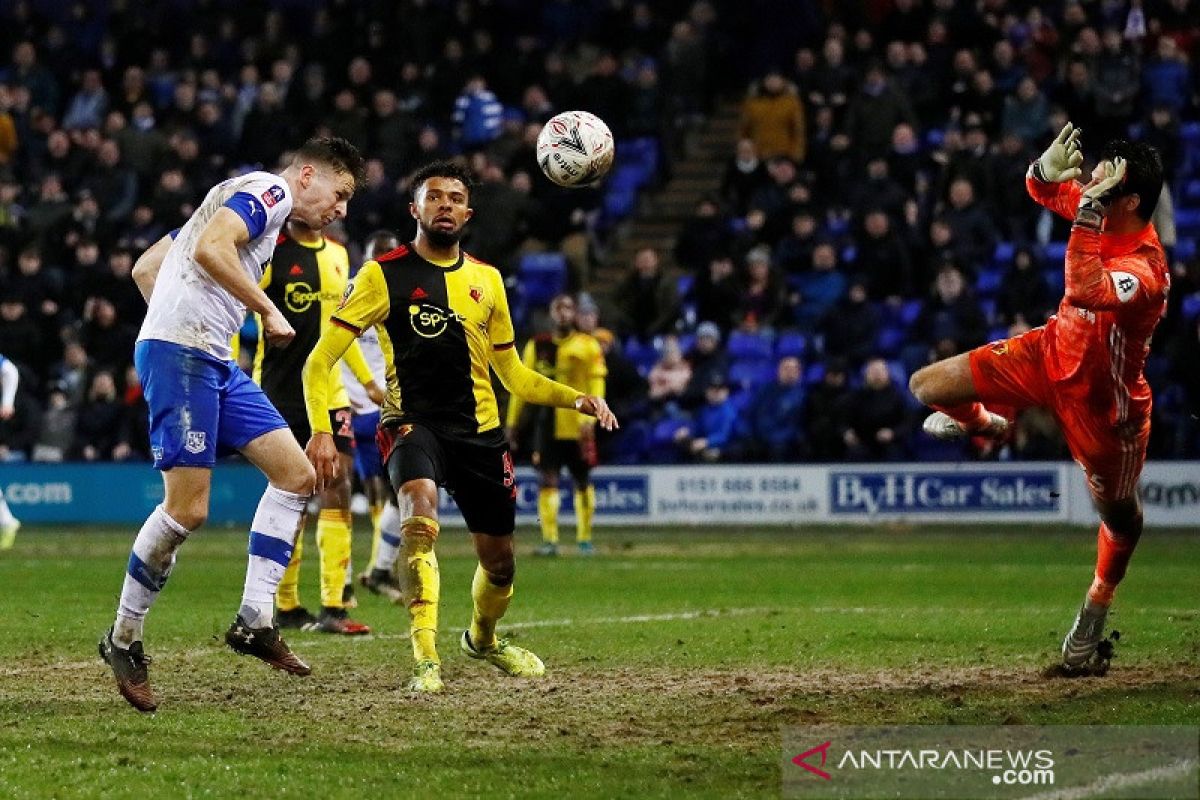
(1143, 173)
(443, 169)
(335, 152)
(381, 241)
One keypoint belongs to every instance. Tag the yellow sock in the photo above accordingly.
(376, 531)
(287, 594)
(548, 503)
(422, 584)
(585, 507)
(491, 601)
(333, 548)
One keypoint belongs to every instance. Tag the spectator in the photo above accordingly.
(952, 313)
(717, 292)
(27, 73)
(21, 340)
(18, 433)
(794, 253)
(390, 131)
(875, 111)
(883, 259)
(608, 95)
(56, 434)
(879, 190)
(477, 115)
(761, 302)
(1027, 113)
(852, 327)
(705, 360)
(817, 292)
(98, 427)
(108, 339)
(1165, 77)
(712, 432)
(1076, 97)
(133, 442)
(1024, 294)
(500, 222)
(775, 423)
(668, 378)
(113, 184)
(625, 389)
(824, 413)
(1115, 86)
(72, 372)
(647, 298)
(89, 105)
(972, 226)
(773, 118)
(876, 418)
(703, 235)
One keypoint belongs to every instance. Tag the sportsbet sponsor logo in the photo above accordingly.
(874, 492)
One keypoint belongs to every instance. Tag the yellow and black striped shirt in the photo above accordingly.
(438, 326)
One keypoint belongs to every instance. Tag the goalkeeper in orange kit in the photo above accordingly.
(1086, 363)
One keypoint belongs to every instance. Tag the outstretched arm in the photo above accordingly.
(535, 388)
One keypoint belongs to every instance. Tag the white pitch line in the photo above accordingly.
(1120, 780)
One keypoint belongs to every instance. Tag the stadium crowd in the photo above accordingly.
(872, 217)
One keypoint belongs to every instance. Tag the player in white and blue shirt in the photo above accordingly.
(199, 283)
(10, 376)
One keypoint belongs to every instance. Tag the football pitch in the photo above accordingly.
(674, 659)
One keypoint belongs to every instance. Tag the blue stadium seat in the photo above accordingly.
(1003, 254)
(1186, 248)
(1187, 221)
(744, 345)
(988, 305)
(684, 284)
(542, 276)
(751, 373)
(889, 340)
(629, 177)
(1189, 133)
(1191, 306)
(814, 374)
(791, 344)
(989, 281)
(642, 151)
(997, 332)
(630, 444)
(849, 254)
(1054, 253)
(642, 355)
(909, 311)
(1056, 279)
(1191, 191)
(619, 203)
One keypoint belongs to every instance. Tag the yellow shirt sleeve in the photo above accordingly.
(516, 404)
(500, 326)
(365, 303)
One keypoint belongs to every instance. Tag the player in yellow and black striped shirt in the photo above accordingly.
(562, 437)
(442, 319)
(305, 279)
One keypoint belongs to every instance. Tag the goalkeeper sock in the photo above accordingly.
(491, 595)
(585, 507)
(287, 596)
(278, 520)
(971, 416)
(422, 584)
(150, 564)
(548, 504)
(333, 547)
(389, 539)
(1112, 559)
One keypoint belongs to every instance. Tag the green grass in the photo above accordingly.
(675, 658)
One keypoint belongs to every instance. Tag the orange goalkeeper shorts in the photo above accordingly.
(1013, 372)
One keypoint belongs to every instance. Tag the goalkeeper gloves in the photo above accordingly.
(1094, 198)
(1062, 160)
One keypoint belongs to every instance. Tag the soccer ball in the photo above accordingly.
(575, 148)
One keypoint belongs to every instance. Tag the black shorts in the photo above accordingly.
(341, 422)
(554, 454)
(477, 471)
